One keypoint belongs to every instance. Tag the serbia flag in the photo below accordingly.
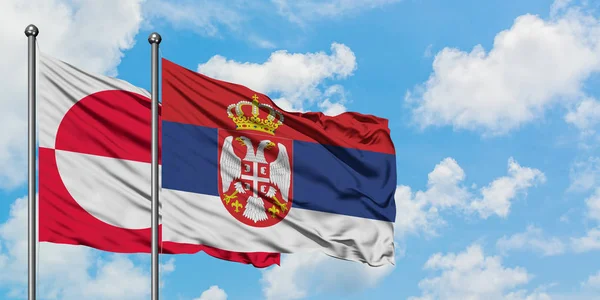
(240, 174)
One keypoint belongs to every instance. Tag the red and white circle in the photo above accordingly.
(103, 157)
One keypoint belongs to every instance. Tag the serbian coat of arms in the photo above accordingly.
(255, 166)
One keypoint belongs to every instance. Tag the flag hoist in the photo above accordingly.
(31, 32)
(154, 39)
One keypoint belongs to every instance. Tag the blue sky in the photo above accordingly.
(493, 110)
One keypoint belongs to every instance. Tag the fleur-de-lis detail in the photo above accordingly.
(236, 205)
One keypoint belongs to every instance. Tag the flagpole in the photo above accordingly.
(31, 32)
(154, 39)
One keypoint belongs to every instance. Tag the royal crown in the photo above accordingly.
(254, 122)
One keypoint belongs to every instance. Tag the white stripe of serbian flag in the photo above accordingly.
(94, 165)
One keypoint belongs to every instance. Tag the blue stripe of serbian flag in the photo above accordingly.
(240, 174)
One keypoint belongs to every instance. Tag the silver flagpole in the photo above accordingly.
(154, 40)
(31, 32)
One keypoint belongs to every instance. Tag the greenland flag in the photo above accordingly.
(243, 175)
(94, 165)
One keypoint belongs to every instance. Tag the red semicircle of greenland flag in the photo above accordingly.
(95, 184)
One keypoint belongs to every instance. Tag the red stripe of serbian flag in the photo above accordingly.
(94, 165)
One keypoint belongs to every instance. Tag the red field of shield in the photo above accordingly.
(255, 178)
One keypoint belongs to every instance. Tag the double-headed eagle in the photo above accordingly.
(279, 175)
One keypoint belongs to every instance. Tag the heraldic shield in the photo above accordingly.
(255, 166)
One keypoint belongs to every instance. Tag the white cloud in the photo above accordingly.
(167, 267)
(497, 91)
(472, 275)
(585, 116)
(261, 42)
(414, 215)
(420, 212)
(331, 109)
(209, 17)
(428, 51)
(296, 77)
(589, 242)
(204, 16)
(524, 295)
(585, 175)
(71, 30)
(335, 97)
(496, 196)
(301, 11)
(593, 282)
(214, 18)
(302, 274)
(213, 293)
(67, 272)
(444, 188)
(559, 6)
(532, 239)
(593, 206)
(118, 278)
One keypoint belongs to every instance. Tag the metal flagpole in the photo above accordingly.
(31, 32)
(154, 40)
